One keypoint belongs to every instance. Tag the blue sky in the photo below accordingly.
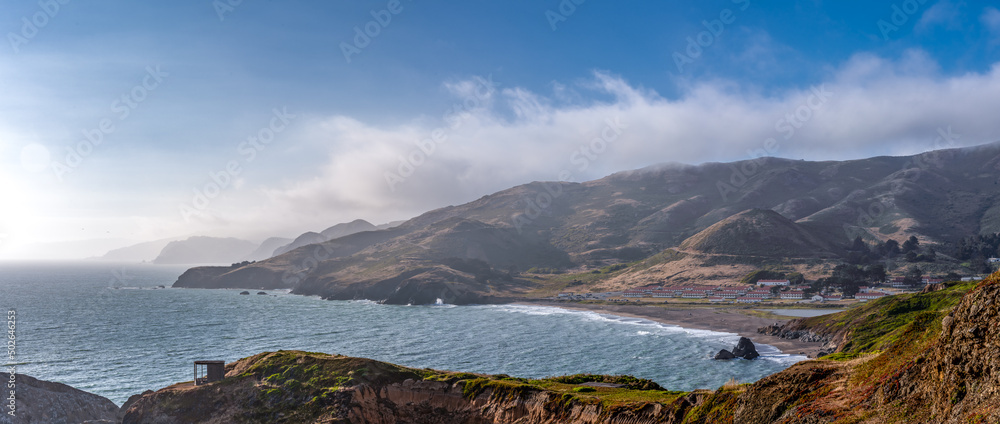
(533, 81)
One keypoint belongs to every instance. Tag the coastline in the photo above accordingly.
(700, 318)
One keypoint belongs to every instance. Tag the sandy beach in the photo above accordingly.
(701, 318)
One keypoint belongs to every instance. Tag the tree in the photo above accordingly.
(911, 244)
(875, 273)
(775, 290)
(859, 245)
(891, 247)
(952, 276)
(820, 285)
(761, 274)
(911, 256)
(849, 288)
(913, 276)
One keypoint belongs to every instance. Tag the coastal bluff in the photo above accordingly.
(304, 387)
(46, 402)
(918, 358)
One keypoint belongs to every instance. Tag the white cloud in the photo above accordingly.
(878, 106)
(509, 135)
(943, 13)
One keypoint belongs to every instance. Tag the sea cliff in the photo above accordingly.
(920, 358)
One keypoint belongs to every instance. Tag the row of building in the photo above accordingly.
(900, 282)
(748, 294)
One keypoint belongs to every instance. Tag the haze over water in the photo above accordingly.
(105, 329)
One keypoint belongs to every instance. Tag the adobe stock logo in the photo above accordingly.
(786, 126)
(714, 29)
(39, 20)
(899, 17)
(566, 9)
(372, 29)
(225, 177)
(123, 106)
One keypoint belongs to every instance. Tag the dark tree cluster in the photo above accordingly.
(753, 277)
(977, 249)
(244, 263)
(861, 253)
(848, 278)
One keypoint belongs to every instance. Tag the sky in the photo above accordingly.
(123, 122)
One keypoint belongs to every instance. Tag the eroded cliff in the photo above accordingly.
(301, 387)
(931, 357)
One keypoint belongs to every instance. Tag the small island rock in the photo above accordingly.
(745, 349)
(725, 354)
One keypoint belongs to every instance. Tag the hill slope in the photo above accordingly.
(816, 208)
(334, 232)
(759, 232)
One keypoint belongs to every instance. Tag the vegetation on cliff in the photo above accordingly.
(924, 358)
(920, 358)
(294, 387)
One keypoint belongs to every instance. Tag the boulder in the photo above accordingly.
(725, 354)
(745, 349)
(48, 402)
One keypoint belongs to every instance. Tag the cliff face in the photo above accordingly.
(287, 387)
(45, 402)
(923, 358)
(958, 379)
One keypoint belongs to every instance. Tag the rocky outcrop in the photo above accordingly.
(921, 358)
(45, 402)
(724, 355)
(784, 332)
(299, 387)
(744, 349)
(957, 380)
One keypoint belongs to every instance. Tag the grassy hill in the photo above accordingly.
(727, 219)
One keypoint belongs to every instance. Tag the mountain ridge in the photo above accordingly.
(937, 196)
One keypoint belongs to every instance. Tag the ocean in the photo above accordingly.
(107, 329)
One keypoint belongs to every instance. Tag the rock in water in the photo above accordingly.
(745, 349)
(725, 354)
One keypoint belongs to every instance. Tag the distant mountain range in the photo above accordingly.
(706, 223)
(216, 250)
(336, 231)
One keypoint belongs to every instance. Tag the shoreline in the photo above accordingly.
(700, 318)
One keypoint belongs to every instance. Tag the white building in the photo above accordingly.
(768, 283)
(864, 297)
(634, 293)
(759, 294)
(793, 295)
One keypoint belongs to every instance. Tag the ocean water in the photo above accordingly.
(107, 329)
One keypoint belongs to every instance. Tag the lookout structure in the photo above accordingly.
(208, 371)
